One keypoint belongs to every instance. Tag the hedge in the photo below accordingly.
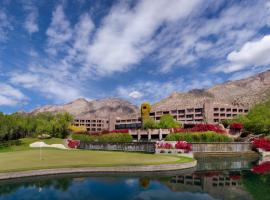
(111, 137)
(198, 137)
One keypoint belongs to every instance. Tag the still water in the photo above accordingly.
(214, 178)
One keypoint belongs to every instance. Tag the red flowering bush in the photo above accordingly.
(164, 145)
(262, 144)
(73, 144)
(261, 168)
(236, 126)
(115, 131)
(183, 145)
(201, 128)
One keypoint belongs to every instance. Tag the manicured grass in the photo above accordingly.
(54, 158)
(25, 142)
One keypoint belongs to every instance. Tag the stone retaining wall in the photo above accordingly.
(148, 147)
(224, 147)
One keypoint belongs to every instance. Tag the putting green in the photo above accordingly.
(31, 159)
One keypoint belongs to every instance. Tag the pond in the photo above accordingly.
(214, 178)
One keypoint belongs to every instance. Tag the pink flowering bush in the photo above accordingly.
(183, 145)
(261, 168)
(201, 128)
(164, 145)
(262, 144)
(73, 144)
(236, 126)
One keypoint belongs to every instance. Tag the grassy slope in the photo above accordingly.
(19, 158)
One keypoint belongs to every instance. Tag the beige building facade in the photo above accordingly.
(208, 112)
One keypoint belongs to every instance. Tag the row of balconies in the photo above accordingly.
(183, 111)
(240, 110)
(90, 121)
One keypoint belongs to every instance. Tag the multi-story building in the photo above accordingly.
(208, 112)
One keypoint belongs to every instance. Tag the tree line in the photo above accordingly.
(19, 125)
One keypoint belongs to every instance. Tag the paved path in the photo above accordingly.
(147, 168)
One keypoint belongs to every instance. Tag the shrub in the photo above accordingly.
(236, 126)
(150, 124)
(183, 145)
(201, 128)
(111, 137)
(73, 143)
(261, 168)
(198, 137)
(262, 144)
(162, 145)
(167, 121)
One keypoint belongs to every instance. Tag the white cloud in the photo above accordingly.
(185, 43)
(124, 38)
(135, 94)
(10, 96)
(30, 24)
(48, 86)
(251, 54)
(59, 31)
(5, 26)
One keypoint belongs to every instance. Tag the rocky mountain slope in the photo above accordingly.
(247, 92)
(99, 108)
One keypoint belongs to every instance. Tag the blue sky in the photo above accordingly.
(52, 52)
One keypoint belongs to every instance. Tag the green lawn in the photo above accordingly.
(25, 142)
(21, 157)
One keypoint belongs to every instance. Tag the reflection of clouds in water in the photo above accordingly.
(163, 194)
(131, 181)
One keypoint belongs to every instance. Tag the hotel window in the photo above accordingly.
(229, 115)
(216, 120)
(222, 115)
(234, 110)
(165, 112)
(216, 109)
(198, 110)
(159, 112)
(152, 114)
(174, 111)
(222, 109)
(181, 111)
(240, 110)
(246, 111)
(228, 109)
(216, 114)
(189, 116)
(117, 121)
(190, 110)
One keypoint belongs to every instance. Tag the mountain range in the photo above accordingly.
(245, 92)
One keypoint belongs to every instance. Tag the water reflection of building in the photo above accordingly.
(219, 185)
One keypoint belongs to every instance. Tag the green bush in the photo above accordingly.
(111, 137)
(150, 124)
(198, 137)
(167, 121)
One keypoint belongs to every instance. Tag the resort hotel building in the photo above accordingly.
(207, 112)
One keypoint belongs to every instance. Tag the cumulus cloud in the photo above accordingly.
(10, 96)
(251, 54)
